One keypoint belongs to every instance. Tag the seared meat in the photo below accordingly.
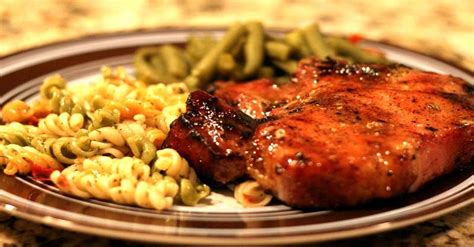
(335, 135)
(212, 132)
(257, 98)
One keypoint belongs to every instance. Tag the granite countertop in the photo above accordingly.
(442, 28)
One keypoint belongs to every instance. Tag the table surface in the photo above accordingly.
(443, 28)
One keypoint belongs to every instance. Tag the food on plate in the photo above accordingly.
(25, 159)
(251, 194)
(102, 141)
(245, 52)
(126, 180)
(336, 134)
(321, 122)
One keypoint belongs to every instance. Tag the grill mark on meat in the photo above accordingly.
(215, 131)
(464, 101)
(469, 89)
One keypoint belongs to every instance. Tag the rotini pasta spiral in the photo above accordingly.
(173, 165)
(67, 149)
(158, 194)
(125, 181)
(54, 91)
(107, 134)
(161, 95)
(169, 114)
(132, 98)
(102, 118)
(126, 167)
(142, 148)
(64, 149)
(156, 136)
(117, 91)
(250, 194)
(191, 193)
(120, 76)
(50, 85)
(16, 111)
(17, 133)
(131, 134)
(18, 159)
(64, 124)
(63, 102)
(112, 90)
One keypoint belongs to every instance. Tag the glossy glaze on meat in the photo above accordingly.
(337, 134)
(208, 134)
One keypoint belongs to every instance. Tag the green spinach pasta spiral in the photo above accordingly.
(51, 85)
(17, 133)
(67, 149)
(172, 164)
(18, 159)
(102, 118)
(55, 95)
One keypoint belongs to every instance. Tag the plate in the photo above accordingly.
(220, 220)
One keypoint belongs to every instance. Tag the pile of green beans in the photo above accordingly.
(245, 52)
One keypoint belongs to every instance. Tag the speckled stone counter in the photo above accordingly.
(444, 29)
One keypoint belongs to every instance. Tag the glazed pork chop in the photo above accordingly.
(336, 135)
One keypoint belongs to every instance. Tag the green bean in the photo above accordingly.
(226, 63)
(253, 48)
(278, 50)
(175, 64)
(189, 60)
(237, 74)
(244, 52)
(288, 66)
(358, 54)
(316, 42)
(158, 64)
(296, 40)
(161, 72)
(237, 50)
(198, 46)
(147, 68)
(191, 194)
(204, 70)
(266, 72)
(159, 69)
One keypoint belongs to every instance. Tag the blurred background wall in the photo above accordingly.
(440, 27)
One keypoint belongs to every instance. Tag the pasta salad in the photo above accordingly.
(102, 141)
